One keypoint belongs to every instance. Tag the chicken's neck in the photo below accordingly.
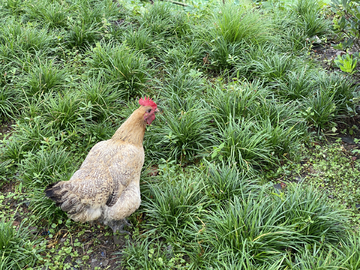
(131, 131)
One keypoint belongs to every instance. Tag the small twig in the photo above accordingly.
(178, 3)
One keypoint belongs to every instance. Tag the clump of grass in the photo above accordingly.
(244, 142)
(263, 229)
(82, 34)
(274, 66)
(44, 78)
(12, 151)
(12, 7)
(172, 216)
(251, 229)
(236, 100)
(329, 100)
(26, 136)
(341, 87)
(322, 96)
(284, 125)
(125, 69)
(18, 249)
(140, 39)
(105, 11)
(285, 138)
(9, 102)
(317, 256)
(313, 216)
(63, 110)
(4, 171)
(246, 63)
(233, 30)
(236, 23)
(350, 251)
(319, 109)
(295, 38)
(299, 24)
(310, 18)
(148, 254)
(91, 26)
(46, 166)
(53, 14)
(295, 85)
(18, 37)
(253, 126)
(183, 136)
(225, 181)
(163, 19)
(222, 55)
(183, 82)
(99, 100)
(185, 54)
(267, 63)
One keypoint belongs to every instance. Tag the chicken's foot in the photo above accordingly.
(118, 229)
(118, 225)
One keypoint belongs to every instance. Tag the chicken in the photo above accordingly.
(107, 185)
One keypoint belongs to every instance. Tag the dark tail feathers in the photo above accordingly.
(68, 201)
(50, 192)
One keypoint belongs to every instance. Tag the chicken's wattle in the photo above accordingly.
(150, 118)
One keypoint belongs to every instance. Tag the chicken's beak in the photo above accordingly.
(156, 110)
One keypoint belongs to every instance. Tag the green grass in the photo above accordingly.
(163, 19)
(8, 103)
(17, 247)
(125, 69)
(44, 78)
(183, 134)
(241, 103)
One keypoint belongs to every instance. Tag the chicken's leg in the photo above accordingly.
(118, 226)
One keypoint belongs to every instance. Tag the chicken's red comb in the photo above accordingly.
(147, 102)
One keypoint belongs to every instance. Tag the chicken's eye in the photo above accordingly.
(148, 111)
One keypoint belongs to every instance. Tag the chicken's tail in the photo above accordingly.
(70, 203)
(51, 192)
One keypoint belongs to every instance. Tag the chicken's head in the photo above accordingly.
(151, 109)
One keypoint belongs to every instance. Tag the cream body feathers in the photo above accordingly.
(103, 178)
(107, 185)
